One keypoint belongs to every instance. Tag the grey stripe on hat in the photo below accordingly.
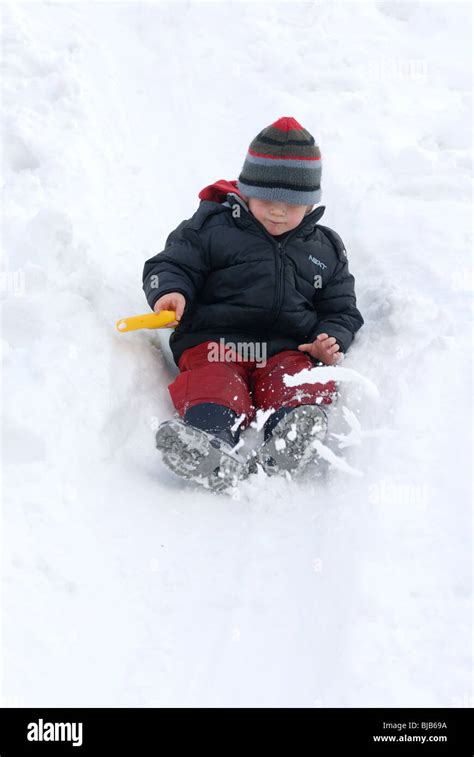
(282, 162)
(277, 194)
(283, 176)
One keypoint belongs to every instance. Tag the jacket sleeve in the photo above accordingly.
(337, 308)
(181, 267)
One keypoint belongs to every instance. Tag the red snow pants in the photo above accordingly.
(243, 385)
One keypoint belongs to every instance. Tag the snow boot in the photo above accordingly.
(218, 420)
(200, 447)
(289, 433)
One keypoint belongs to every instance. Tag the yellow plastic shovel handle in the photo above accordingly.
(146, 321)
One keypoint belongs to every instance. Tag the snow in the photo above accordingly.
(325, 453)
(122, 585)
(326, 373)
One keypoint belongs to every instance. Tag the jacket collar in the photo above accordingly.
(247, 219)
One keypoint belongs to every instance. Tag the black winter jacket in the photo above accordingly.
(242, 284)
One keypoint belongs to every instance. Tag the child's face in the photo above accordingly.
(277, 217)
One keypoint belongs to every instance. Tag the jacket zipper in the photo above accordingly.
(279, 268)
(278, 301)
(280, 272)
(279, 265)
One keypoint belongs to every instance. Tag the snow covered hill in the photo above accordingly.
(122, 586)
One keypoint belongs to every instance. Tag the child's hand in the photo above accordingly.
(171, 301)
(324, 348)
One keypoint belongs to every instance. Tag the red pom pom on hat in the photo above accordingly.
(286, 123)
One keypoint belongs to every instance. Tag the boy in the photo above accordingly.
(260, 291)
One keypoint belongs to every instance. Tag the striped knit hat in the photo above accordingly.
(283, 163)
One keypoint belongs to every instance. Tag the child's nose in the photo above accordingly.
(277, 211)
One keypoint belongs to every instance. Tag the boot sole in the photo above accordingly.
(198, 456)
(289, 448)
